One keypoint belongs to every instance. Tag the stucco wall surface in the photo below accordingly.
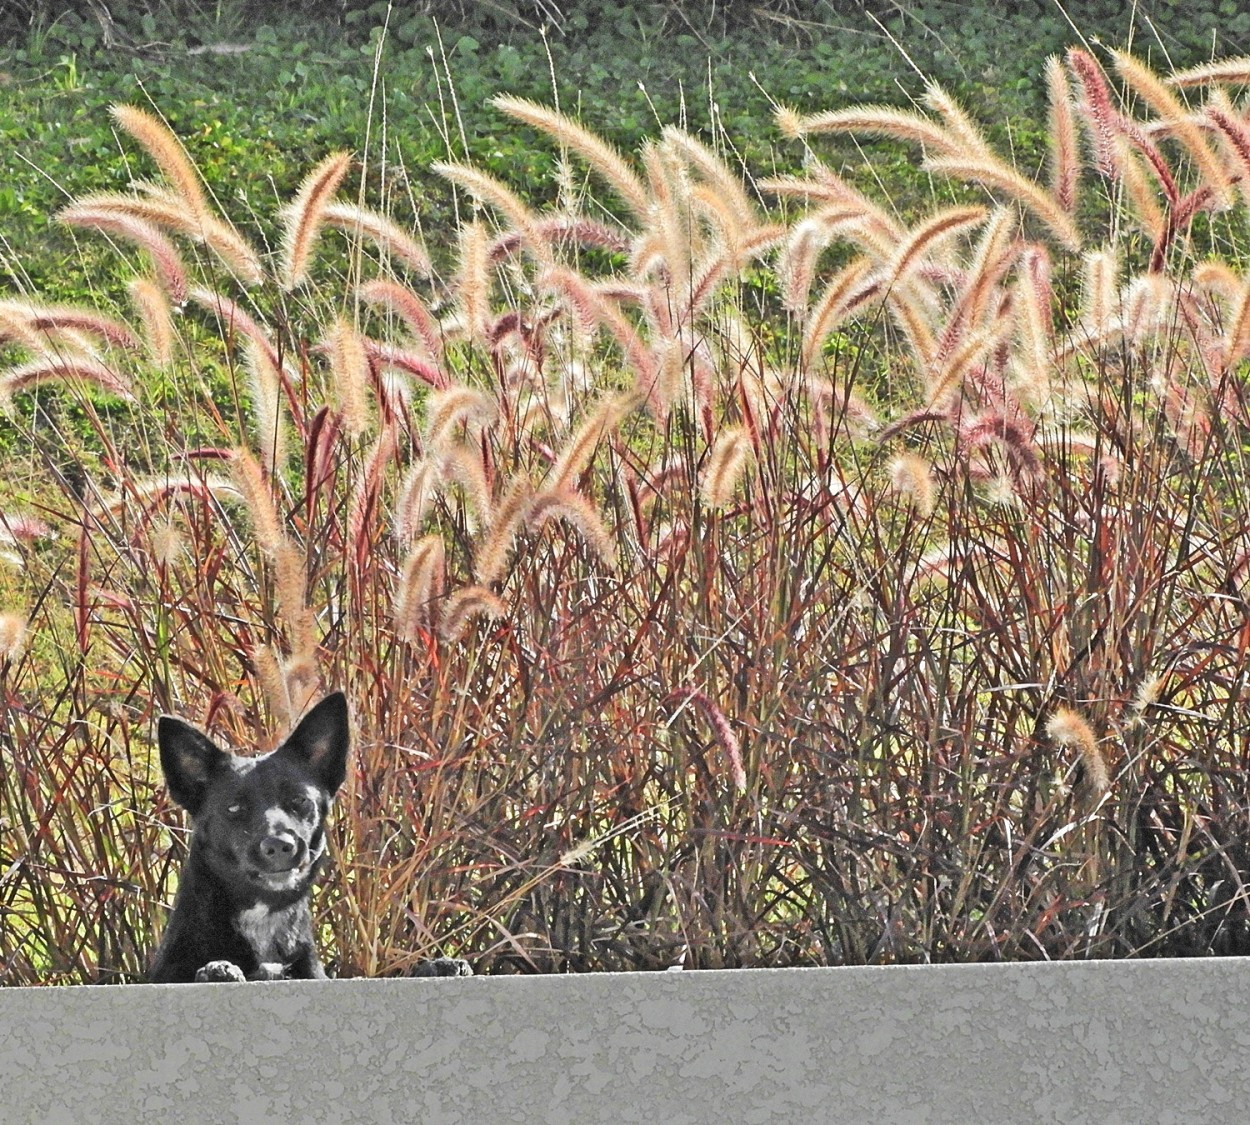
(1147, 1041)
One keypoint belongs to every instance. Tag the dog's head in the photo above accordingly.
(259, 822)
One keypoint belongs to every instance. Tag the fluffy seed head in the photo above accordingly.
(579, 450)
(1147, 694)
(448, 408)
(303, 682)
(350, 367)
(384, 232)
(912, 476)
(164, 148)
(305, 216)
(789, 122)
(420, 582)
(272, 683)
(167, 543)
(721, 730)
(580, 514)
(600, 155)
(415, 493)
(492, 552)
(13, 629)
(291, 582)
(725, 464)
(472, 601)
(67, 368)
(265, 383)
(1068, 728)
(154, 314)
(1064, 152)
(258, 499)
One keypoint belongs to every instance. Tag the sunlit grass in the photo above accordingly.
(711, 585)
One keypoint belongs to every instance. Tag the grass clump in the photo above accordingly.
(723, 569)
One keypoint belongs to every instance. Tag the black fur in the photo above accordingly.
(258, 836)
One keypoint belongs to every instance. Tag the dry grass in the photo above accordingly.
(901, 619)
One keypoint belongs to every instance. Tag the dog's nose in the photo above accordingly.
(278, 852)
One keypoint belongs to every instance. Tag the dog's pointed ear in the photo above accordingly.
(190, 759)
(321, 741)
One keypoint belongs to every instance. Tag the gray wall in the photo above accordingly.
(1128, 1041)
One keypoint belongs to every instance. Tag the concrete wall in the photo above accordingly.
(1144, 1041)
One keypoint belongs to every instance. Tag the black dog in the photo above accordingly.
(258, 834)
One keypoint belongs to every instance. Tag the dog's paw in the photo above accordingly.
(443, 967)
(270, 970)
(219, 972)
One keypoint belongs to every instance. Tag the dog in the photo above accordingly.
(258, 836)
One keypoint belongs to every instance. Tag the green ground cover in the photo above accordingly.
(253, 119)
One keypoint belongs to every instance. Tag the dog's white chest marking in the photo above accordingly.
(259, 925)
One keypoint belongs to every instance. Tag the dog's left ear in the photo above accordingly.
(321, 741)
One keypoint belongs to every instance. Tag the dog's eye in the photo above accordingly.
(235, 810)
(302, 806)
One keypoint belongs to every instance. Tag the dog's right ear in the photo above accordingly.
(189, 759)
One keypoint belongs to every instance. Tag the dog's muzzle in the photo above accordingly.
(278, 853)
